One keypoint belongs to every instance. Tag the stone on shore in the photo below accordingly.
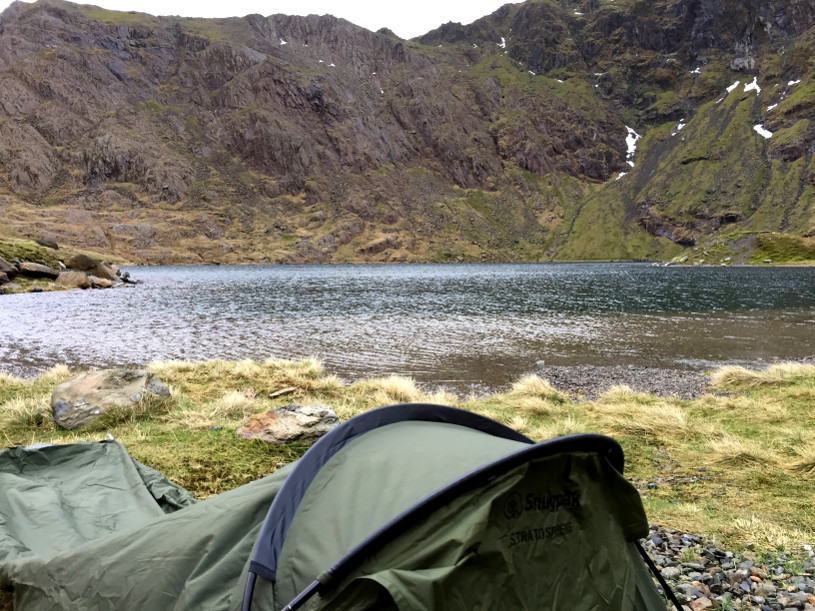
(37, 270)
(704, 576)
(7, 268)
(74, 280)
(80, 401)
(100, 283)
(290, 423)
(92, 267)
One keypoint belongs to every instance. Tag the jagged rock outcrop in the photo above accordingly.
(309, 139)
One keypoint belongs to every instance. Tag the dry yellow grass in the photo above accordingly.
(719, 461)
(775, 375)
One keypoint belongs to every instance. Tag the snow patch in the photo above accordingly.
(763, 132)
(620, 175)
(697, 71)
(475, 46)
(791, 83)
(631, 142)
(332, 65)
(753, 86)
(320, 61)
(678, 127)
(283, 42)
(771, 106)
(559, 81)
(532, 73)
(578, 13)
(382, 91)
(733, 86)
(503, 43)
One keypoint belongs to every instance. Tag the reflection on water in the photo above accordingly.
(458, 325)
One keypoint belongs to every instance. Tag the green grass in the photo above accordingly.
(28, 251)
(783, 248)
(737, 466)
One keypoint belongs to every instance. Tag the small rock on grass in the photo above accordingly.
(290, 423)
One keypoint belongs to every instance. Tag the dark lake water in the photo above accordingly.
(468, 325)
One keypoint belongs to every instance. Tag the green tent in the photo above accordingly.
(406, 507)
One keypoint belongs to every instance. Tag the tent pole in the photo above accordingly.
(299, 600)
(248, 592)
(665, 587)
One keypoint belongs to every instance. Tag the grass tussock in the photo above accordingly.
(388, 391)
(719, 461)
(535, 387)
(765, 533)
(740, 378)
(735, 451)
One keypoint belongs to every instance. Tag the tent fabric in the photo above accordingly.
(282, 511)
(60, 496)
(572, 511)
(81, 529)
(84, 526)
(480, 553)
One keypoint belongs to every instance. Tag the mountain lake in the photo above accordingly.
(455, 326)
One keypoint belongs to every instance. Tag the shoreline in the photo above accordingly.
(581, 382)
(588, 382)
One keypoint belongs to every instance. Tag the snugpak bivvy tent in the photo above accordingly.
(420, 506)
(407, 507)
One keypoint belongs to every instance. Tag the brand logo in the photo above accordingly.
(517, 504)
(514, 507)
(551, 502)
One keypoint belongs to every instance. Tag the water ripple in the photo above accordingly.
(458, 325)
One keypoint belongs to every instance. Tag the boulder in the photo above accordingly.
(8, 268)
(290, 423)
(37, 270)
(84, 263)
(48, 243)
(4, 279)
(99, 283)
(74, 280)
(80, 401)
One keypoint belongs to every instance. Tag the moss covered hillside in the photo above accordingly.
(277, 139)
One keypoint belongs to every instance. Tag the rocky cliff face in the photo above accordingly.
(309, 139)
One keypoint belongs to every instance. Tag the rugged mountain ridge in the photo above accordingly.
(309, 139)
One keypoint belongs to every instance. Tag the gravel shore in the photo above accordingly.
(590, 381)
(703, 576)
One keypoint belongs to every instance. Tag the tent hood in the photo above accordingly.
(430, 507)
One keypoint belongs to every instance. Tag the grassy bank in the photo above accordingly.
(737, 465)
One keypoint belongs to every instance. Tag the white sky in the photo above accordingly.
(406, 19)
